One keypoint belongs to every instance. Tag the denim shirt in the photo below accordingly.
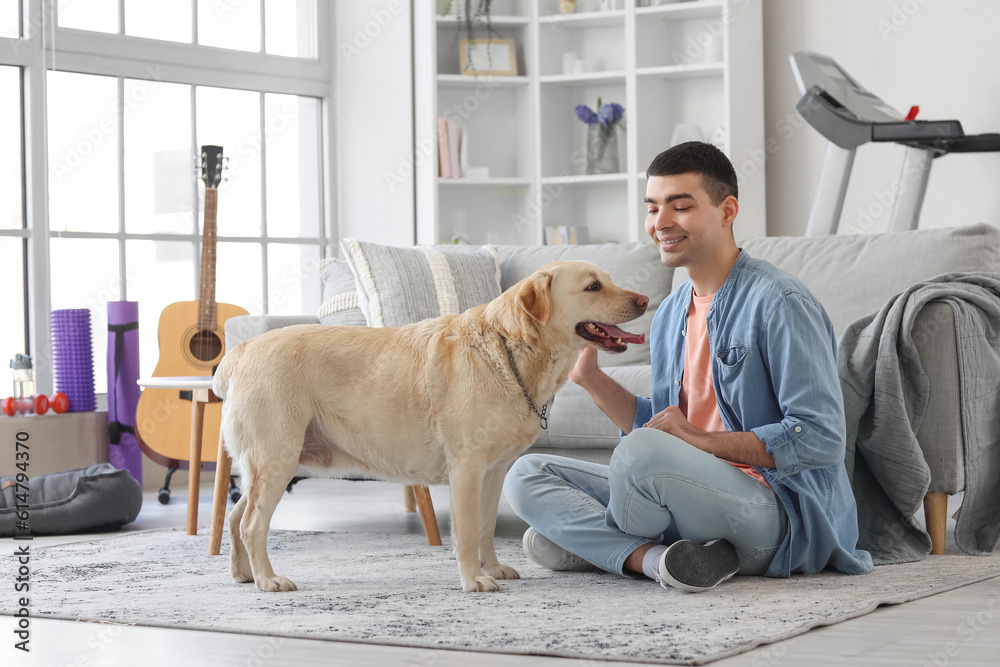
(774, 369)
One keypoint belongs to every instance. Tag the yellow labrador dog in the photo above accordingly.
(433, 402)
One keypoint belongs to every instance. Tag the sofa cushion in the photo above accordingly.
(854, 275)
(399, 286)
(340, 296)
(633, 266)
(575, 421)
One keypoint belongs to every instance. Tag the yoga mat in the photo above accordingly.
(73, 357)
(123, 392)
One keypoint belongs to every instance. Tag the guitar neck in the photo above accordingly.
(206, 296)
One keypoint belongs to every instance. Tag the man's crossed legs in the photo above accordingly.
(657, 489)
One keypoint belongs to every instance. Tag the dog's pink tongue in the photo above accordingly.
(616, 332)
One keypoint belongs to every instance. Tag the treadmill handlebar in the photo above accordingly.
(977, 143)
(930, 132)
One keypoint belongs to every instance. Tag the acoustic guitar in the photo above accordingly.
(192, 340)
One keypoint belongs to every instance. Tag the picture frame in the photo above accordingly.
(494, 57)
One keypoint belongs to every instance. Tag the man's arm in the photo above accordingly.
(802, 365)
(617, 402)
(739, 446)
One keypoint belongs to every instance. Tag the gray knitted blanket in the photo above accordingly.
(885, 397)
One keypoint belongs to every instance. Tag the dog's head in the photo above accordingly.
(577, 304)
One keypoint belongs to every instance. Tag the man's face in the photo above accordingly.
(682, 221)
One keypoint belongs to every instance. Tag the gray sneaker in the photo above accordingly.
(695, 568)
(548, 554)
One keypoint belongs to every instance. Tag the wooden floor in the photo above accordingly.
(956, 628)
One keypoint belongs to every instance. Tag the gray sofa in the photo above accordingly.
(851, 276)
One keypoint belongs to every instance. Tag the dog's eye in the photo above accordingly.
(594, 287)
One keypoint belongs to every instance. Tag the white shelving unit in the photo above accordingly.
(697, 62)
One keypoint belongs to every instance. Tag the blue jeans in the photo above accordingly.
(657, 488)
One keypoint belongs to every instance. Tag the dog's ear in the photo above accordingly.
(535, 297)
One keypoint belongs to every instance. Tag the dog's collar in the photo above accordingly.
(541, 415)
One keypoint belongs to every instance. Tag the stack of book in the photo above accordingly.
(453, 152)
(566, 235)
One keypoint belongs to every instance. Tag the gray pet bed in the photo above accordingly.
(98, 498)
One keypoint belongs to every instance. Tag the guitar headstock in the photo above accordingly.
(211, 165)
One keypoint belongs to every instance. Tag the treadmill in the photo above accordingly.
(848, 115)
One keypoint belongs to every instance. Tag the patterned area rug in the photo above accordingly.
(397, 590)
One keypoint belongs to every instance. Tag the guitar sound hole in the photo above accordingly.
(205, 346)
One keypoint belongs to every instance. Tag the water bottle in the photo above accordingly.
(24, 385)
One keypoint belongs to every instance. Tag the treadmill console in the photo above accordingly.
(848, 115)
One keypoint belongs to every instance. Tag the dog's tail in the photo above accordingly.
(220, 384)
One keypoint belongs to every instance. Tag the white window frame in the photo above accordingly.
(44, 46)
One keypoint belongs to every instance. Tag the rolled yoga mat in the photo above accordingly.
(73, 357)
(123, 391)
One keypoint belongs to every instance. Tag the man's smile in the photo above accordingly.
(669, 242)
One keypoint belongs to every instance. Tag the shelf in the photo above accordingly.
(657, 62)
(683, 71)
(585, 79)
(471, 81)
(584, 179)
(452, 23)
(609, 19)
(488, 182)
(683, 10)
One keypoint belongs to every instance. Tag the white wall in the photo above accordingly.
(943, 55)
(373, 121)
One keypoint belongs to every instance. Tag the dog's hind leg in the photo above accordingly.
(466, 479)
(238, 558)
(492, 487)
(239, 561)
(264, 488)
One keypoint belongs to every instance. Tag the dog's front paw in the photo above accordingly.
(276, 584)
(500, 571)
(481, 584)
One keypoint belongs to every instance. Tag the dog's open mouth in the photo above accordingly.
(608, 337)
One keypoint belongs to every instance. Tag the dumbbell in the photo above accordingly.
(38, 405)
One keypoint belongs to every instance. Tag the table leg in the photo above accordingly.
(223, 467)
(194, 470)
(423, 498)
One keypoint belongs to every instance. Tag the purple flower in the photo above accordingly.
(610, 114)
(584, 113)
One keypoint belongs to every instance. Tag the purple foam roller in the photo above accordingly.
(123, 391)
(73, 358)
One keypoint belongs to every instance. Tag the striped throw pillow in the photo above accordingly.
(340, 296)
(400, 286)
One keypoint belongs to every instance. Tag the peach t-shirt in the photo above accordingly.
(697, 397)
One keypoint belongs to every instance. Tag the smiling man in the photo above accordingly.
(735, 464)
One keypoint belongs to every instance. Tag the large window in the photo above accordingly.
(130, 89)
(281, 27)
(13, 295)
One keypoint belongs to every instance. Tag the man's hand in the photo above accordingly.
(586, 367)
(673, 421)
(738, 447)
(615, 401)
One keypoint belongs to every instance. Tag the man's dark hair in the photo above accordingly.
(718, 177)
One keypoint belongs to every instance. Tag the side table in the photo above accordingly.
(201, 395)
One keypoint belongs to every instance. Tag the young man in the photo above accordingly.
(736, 463)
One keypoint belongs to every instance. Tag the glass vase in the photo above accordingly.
(602, 149)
